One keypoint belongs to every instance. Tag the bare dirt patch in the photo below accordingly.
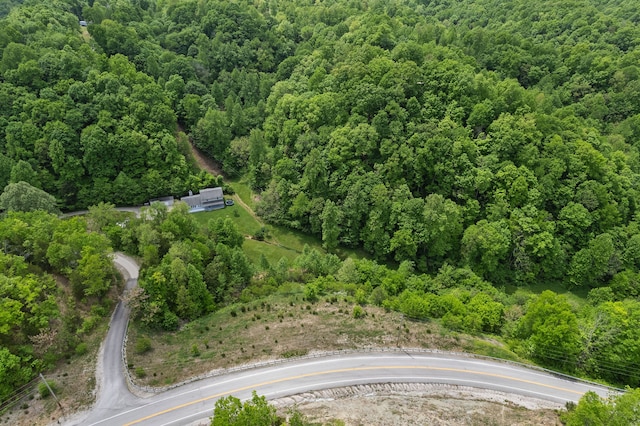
(204, 162)
(420, 404)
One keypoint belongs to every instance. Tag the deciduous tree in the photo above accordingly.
(23, 197)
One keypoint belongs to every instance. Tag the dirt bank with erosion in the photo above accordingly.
(421, 404)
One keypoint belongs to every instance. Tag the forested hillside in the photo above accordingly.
(83, 125)
(496, 135)
(479, 144)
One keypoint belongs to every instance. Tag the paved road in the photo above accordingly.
(186, 404)
(115, 405)
(113, 392)
(135, 210)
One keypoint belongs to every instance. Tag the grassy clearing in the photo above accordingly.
(242, 189)
(280, 235)
(282, 326)
(279, 241)
(85, 34)
(576, 296)
(249, 226)
(246, 224)
(254, 249)
(294, 240)
(284, 237)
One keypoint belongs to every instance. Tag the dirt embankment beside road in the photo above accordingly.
(420, 404)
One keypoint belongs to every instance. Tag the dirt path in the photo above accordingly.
(204, 162)
(253, 214)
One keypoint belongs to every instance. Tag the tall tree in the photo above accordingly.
(617, 410)
(330, 225)
(230, 411)
(550, 329)
(23, 197)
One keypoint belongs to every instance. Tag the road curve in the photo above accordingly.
(112, 391)
(116, 405)
(194, 401)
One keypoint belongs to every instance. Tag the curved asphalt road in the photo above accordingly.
(183, 405)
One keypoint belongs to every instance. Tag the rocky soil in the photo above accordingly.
(420, 404)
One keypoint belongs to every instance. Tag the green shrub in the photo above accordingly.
(261, 234)
(170, 321)
(98, 311)
(81, 349)
(195, 350)
(89, 324)
(294, 353)
(43, 390)
(140, 373)
(453, 322)
(358, 312)
(143, 345)
(361, 297)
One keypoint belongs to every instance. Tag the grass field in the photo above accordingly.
(576, 296)
(243, 190)
(249, 226)
(254, 249)
(246, 224)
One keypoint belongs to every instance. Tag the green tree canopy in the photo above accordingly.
(23, 197)
(550, 329)
(617, 410)
(230, 411)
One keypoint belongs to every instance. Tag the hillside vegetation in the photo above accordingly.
(483, 153)
(55, 282)
(501, 136)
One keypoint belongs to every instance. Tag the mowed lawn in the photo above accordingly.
(286, 237)
(279, 241)
(273, 247)
(245, 223)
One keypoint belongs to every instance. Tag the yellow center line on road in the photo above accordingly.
(345, 370)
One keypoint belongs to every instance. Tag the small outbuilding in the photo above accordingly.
(167, 201)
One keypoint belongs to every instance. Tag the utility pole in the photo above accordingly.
(52, 393)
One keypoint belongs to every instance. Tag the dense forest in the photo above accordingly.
(432, 132)
(479, 145)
